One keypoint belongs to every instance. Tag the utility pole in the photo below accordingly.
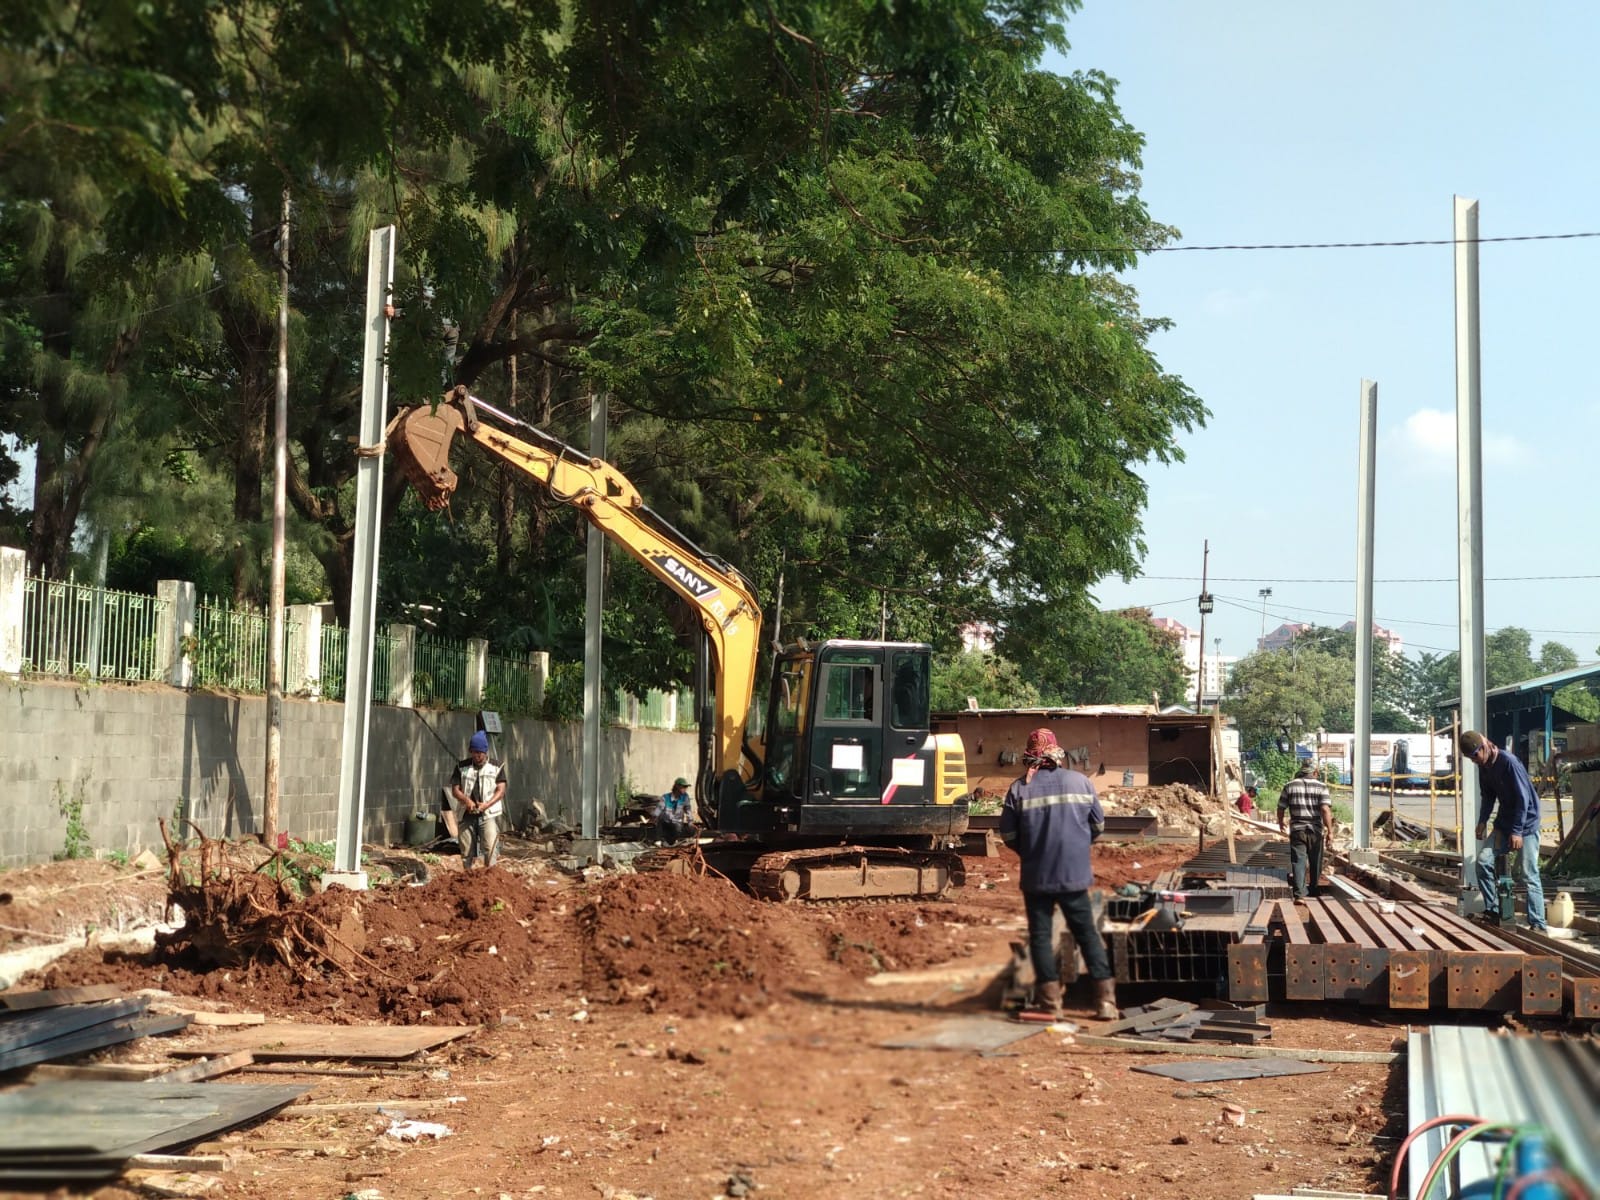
(1264, 593)
(1206, 605)
(280, 475)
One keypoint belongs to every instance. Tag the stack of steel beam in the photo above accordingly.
(1402, 955)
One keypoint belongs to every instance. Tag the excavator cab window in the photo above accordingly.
(786, 722)
(908, 707)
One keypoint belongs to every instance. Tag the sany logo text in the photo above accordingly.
(697, 587)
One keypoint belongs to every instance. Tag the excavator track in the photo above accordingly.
(855, 873)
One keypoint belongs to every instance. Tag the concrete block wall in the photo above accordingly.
(138, 753)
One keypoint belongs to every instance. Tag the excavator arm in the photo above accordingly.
(722, 599)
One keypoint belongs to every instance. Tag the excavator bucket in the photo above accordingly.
(420, 443)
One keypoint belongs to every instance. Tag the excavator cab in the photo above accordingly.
(849, 751)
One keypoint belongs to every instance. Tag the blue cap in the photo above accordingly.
(480, 741)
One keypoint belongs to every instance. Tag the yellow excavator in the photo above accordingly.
(848, 794)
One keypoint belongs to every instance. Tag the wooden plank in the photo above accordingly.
(282, 1041)
(103, 1072)
(1224, 1051)
(208, 1068)
(198, 1163)
(226, 1020)
(52, 997)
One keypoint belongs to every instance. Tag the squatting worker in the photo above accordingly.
(1503, 781)
(479, 787)
(673, 818)
(1051, 817)
(1308, 808)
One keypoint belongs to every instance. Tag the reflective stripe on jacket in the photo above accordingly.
(1051, 820)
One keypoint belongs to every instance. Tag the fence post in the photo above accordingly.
(13, 586)
(304, 674)
(477, 670)
(402, 665)
(669, 709)
(174, 628)
(538, 677)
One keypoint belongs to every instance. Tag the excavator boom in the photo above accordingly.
(419, 438)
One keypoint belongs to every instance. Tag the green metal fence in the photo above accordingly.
(78, 629)
(335, 660)
(229, 646)
(508, 687)
(439, 672)
(74, 629)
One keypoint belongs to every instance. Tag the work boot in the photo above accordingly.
(1048, 997)
(1105, 996)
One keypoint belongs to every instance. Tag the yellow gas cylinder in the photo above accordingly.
(1559, 911)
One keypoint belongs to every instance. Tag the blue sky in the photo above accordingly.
(1358, 122)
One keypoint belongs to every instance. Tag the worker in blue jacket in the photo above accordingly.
(1503, 785)
(1050, 818)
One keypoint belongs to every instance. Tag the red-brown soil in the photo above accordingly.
(655, 1035)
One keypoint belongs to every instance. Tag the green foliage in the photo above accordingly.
(1079, 655)
(301, 865)
(76, 831)
(992, 680)
(1274, 768)
(118, 857)
(852, 277)
(1290, 689)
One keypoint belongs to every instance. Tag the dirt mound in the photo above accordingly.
(459, 949)
(698, 945)
(51, 901)
(1177, 805)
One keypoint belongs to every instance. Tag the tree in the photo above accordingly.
(988, 678)
(1092, 657)
(1293, 688)
(1394, 700)
(819, 254)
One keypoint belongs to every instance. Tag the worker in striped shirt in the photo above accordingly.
(1307, 808)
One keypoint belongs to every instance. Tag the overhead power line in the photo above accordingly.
(1420, 579)
(1478, 241)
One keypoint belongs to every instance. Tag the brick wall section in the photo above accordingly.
(141, 753)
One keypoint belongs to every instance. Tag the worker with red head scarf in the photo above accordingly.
(1051, 817)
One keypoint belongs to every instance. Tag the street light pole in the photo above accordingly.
(1205, 607)
(1263, 593)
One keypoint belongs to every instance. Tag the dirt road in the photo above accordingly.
(665, 1037)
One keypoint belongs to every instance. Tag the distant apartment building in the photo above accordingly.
(1210, 670)
(1287, 632)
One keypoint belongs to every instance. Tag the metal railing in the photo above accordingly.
(84, 631)
(439, 672)
(508, 687)
(229, 646)
(78, 630)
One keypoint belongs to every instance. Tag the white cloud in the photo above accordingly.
(1430, 434)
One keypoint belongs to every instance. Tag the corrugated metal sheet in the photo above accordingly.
(1519, 1080)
